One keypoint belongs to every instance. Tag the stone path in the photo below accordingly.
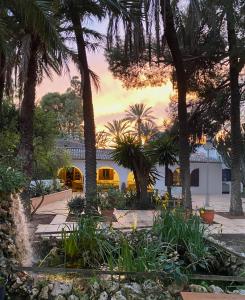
(141, 218)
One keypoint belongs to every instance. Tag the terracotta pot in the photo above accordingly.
(207, 216)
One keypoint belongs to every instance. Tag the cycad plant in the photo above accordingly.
(129, 153)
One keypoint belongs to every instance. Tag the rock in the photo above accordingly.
(95, 289)
(73, 297)
(60, 297)
(215, 289)
(34, 292)
(197, 288)
(118, 296)
(175, 288)
(103, 296)
(61, 288)
(111, 286)
(44, 293)
(150, 287)
(132, 291)
(239, 292)
(160, 296)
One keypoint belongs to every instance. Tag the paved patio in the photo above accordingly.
(141, 218)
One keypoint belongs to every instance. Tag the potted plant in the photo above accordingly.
(106, 204)
(207, 214)
(2, 288)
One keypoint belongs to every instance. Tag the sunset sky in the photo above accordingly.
(111, 101)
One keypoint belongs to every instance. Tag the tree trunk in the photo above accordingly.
(88, 113)
(143, 182)
(25, 152)
(236, 138)
(168, 181)
(184, 153)
(2, 83)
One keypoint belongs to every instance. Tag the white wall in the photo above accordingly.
(215, 176)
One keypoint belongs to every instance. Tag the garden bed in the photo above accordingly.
(235, 242)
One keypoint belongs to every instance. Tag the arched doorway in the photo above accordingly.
(107, 177)
(131, 182)
(72, 177)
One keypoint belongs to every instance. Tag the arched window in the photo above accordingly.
(176, 177)
(195, 177)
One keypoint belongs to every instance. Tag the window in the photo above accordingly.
(226, 175)
(176, 177)
(106, 174)
(195, 177)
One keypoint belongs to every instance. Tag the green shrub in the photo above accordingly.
(11, 180)
(86, 246)
(76, 205)
(186, 234)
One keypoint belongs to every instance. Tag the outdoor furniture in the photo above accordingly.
(210, 296)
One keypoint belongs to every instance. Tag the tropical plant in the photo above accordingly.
(129, 153)
(11, 180)
(138, 114)
(117, 128)
(164, 150)
(149, 131)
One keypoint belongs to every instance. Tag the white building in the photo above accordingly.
(109, 173)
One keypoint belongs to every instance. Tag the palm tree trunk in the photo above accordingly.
(236, 138)
(184, 153)
(168, 181)
(2, 83)
(88, 112)
(25, 152)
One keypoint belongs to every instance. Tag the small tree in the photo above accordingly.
(164, 150)
(130, 154)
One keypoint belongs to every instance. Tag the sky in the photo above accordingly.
(111, 101)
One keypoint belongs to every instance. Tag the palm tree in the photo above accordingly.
(117, 128)
(137, 114)
(78, 12)
(164, 150)
(149, 131)
(129, 153)
(41, 50)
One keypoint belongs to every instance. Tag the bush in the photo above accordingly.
(11, 180)
(186, 234)
(86, 246)
(76, 205)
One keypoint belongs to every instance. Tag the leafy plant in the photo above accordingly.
(76, 205)
(86, 246)
(186, 234)
(11, 180)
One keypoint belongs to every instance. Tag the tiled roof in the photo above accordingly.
(105, 154)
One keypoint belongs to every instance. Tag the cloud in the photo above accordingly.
(111, 101)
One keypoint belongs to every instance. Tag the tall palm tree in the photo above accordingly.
(117, 129)
(41, 50)
(149, 130)
(101, 139)
(137, 114)
(77, 13)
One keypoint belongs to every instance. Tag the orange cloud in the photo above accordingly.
(112, 99)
